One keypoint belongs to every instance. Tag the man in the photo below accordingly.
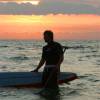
(52, 57)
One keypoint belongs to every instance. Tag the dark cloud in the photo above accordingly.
(47, 7)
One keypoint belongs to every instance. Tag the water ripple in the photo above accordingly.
(21, 58)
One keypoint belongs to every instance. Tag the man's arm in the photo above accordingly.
(60, 60)
(42, 61)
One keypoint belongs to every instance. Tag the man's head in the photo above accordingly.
(48, 36)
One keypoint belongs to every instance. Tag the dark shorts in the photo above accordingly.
(49, 78)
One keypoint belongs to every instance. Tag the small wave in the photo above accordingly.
(89, 77)
(4, 46)
(36, 57)
(81, 59)
(93, 80)
(20, 48)
(73, 92)
(97, 62)
(81, 47)
(94, 51)
(83, 76)
(19, 58)
(89, 56)
(3, 67)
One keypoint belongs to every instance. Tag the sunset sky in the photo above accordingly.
(68, 19)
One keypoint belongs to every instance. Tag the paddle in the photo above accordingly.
(64, 48)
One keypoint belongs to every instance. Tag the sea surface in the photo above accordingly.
(83, 59)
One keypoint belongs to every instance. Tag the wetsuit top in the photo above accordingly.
(52, 52)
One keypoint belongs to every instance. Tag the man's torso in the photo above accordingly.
(52, 52)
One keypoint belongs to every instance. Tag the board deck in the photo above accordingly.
(30, 79)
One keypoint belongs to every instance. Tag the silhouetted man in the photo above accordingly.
(52, 57)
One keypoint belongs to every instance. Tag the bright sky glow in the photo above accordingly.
(33, 2)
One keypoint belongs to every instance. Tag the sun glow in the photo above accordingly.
(32, 27)
(33, 2)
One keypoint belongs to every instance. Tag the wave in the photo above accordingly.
(81, 47)
(94, 55)
(4, 46)
(17, 58)
(20, 48)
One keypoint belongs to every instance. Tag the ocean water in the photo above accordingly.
(25, 55)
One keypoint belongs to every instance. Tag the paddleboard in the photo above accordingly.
(30, 79)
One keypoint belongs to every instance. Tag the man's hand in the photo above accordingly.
(42, 61)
